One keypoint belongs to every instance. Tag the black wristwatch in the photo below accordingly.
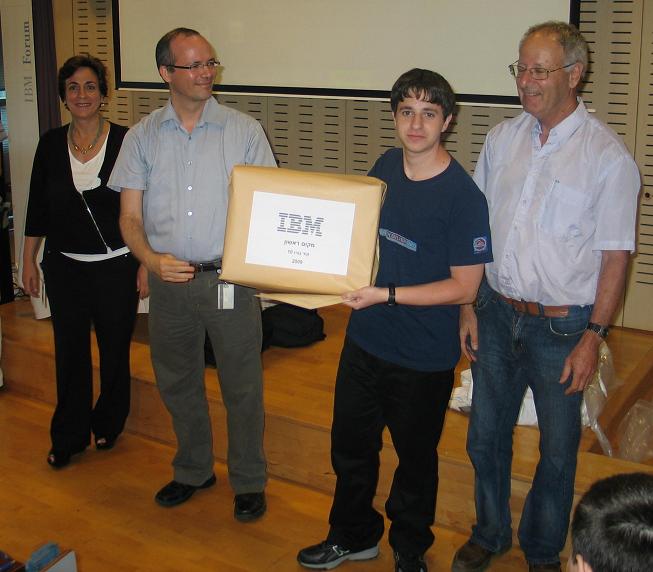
(598, 329)
(391, 295)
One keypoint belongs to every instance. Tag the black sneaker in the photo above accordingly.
(327, 555)
(409, 563)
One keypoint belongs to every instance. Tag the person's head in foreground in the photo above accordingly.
(612, 528)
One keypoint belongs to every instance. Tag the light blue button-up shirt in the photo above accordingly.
(555, 207)
(185, 177)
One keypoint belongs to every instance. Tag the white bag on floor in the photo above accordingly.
(594, 397)
(461, 400)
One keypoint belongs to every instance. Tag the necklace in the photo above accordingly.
(79, 148)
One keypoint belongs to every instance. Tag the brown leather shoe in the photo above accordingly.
(472, 557)
(555, 567)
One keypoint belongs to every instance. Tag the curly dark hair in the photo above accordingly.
(71, 65)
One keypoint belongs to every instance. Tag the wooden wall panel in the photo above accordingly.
(470, 128)
(638, 310)
(347, 136)
(144, 102)
(256, 106)
(92, 33)
(612, 29)
(618, 87)
(370, 132)
(308, 134)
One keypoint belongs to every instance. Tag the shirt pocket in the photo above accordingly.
(564, 212)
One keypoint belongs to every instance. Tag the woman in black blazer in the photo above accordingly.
(91, 278)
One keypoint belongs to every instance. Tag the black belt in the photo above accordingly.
(212, 266)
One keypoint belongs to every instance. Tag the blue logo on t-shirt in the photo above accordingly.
(480, 244)
(398, 239)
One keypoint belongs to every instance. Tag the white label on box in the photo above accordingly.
(301, 233)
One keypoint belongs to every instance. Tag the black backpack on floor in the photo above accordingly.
(289, 326)
(285, 326)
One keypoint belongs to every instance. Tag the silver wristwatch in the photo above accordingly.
(599, 329)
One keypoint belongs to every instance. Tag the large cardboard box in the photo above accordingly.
(301, 233)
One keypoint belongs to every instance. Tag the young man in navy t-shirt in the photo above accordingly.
(402, 345)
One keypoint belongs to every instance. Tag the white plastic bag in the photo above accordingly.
(461, 400)
(595, 395)
(635, 433)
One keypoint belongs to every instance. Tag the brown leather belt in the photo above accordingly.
(536, 309)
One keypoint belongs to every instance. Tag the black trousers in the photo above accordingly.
(81, 294)
(372, 394)
(6, 276)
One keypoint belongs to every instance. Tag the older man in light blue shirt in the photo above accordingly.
(173, 173)
(562, 193)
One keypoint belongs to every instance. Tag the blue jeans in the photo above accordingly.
(516, 350)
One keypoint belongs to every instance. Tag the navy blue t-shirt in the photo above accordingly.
(425, 228)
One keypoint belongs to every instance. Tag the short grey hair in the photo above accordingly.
(572, 41)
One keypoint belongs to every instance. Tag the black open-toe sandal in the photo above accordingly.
(104, 443)
(58, 459)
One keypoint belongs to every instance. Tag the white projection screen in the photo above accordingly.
(349, 48)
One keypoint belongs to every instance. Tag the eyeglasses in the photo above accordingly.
(197, 66)
(517, 70)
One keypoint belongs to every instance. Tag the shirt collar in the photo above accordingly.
(567, 127)
(213, 112)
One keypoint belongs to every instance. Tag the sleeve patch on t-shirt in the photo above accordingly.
(480, 244)
(398, 239)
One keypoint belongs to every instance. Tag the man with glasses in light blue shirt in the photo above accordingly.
(173, 172)
(562, 193)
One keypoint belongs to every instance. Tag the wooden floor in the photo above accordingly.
(102, 506)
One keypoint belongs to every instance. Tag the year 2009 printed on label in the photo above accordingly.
(301, 233)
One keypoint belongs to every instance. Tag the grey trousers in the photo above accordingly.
(179, 316)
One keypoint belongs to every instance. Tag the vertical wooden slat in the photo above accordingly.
(472, 125)
(256, 106)
(638, 310)
(370, 132)
(92, 33)
(308, 134)
(613, 31)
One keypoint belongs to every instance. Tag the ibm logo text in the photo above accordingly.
(300, 224)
